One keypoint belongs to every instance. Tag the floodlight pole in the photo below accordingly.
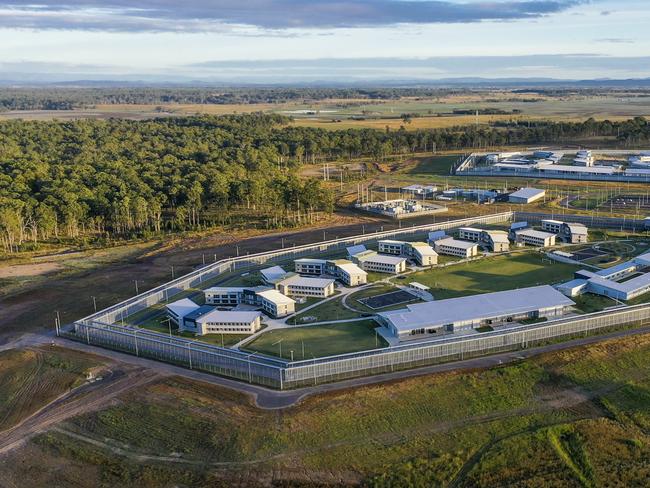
(94, 303)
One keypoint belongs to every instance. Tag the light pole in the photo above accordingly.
(136, 287)
(280, 344)
(94, 303)
(169, 323)
(250, 376)
(172, 272)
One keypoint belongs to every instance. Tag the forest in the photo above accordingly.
(110, 179)
(81, 97)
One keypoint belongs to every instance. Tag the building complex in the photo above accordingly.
(457, 314)
(204, 319)
(421, 252)
(344, 270)
(268, 299)
(621, 282)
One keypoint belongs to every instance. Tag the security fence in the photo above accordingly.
(405, 356)
(100, 329)
(622, 224)
(281, 374)
(204, 275)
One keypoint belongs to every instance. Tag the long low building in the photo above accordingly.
(567, 231)
(295, 285)
(456, 314)
(372, 261)
(268, 299)
(421, 252)
(204, 319)
(344, 270)
(527, 195)
(455, 247)
(494, 240)
(534, 237)
(622, 282)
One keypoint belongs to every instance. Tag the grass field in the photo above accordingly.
(578, 417)
(491, 274)
(318, 340)
(32, 378)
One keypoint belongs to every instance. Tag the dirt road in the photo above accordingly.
(86, 398)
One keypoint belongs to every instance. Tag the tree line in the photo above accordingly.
(122, 178)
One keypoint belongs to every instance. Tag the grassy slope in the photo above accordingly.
(319, 340)
(30, 379)
(564, 419)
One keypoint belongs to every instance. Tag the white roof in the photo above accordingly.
(390, 241)
(471, 229)
(182, 307)
(273, 273)
(276, 297)
(352, 250)
(563, 254)
(535, 233)
(383, 258)
(565, 168)
(310, 261)
(551, 221)
(228, 316)
(577, 228)
(439, 234)
(351, 269)
(498, 236)
(528, 193)
(419, 286)
(450, 241)
(642, 259)
(518, 225)
(298, 280)
(476, 307)
(425, 250)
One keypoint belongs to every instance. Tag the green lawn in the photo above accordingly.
(318, 340)
(329, 310)
(439, 165)
(589, 302)
(493, 274)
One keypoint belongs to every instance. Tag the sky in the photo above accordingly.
(294, 41)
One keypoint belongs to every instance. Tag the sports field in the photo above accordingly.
(318, 340)
(497, 273)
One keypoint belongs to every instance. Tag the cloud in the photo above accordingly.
(616, 40)
(220, 15)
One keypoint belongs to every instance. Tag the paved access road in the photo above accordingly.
(273, 399)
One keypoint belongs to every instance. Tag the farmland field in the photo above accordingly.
(577, 417)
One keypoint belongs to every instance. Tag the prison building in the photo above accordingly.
(441, 317)
(204, 319)
(347, 272)
(568, 232)
(533, 237)
(553, 226)
(179, 309)
(496, 240)
(455, 247)
(273, 274)
(470, 234)
(392, 247)
(344, 270)
(526, 195)
(379, 263)
(607, 282)
(295, 285)
(268, 299)
(421, 252)
(222, 322)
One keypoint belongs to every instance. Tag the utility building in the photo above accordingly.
(526, 195)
